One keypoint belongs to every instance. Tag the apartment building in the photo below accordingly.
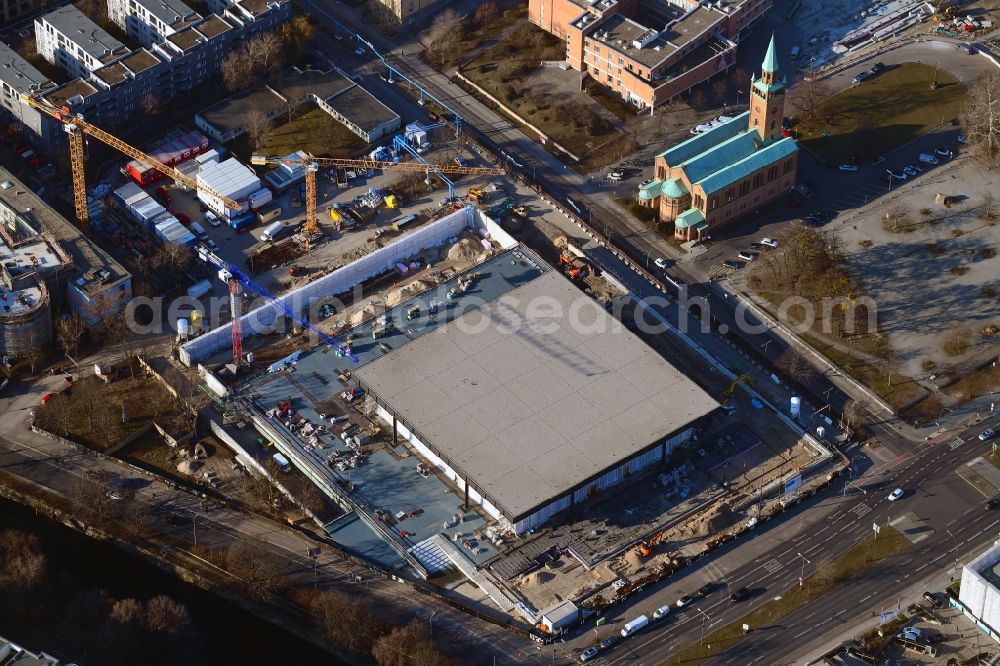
(13, 10)
(68, 39)
(18, 77)
(151, 21)
(648, 51)
(405, 11)
(111, 94)
(731, 170)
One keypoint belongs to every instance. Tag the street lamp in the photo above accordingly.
(194, 527)
(802, 571)
(706, 618)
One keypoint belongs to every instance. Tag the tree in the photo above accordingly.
(265, 53)
(795, 365)
(720, 87)
(259, 127)
(237, 70)
(166, 616)
(126, 611)
(485, 14)
(261, 571)
(444, 26)
(981, 117)
(297, 34)
(347, 620)
(741, 81)
(807, 99)
(69, 330)
(34, 354)
(698, 99)
(407, 645)
(853, 417)
(22, 562)
(960, 338)
(150, 104)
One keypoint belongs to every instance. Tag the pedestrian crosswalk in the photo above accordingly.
(955, 443)
(773, 566)
(860, 510)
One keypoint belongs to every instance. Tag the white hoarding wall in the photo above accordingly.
(263, 318)
(980, 594)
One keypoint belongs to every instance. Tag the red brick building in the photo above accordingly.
(648, 51)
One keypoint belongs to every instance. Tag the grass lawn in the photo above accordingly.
(880, 114)
(641, 213)
(312, 130)
(902, 391)
(858, 558)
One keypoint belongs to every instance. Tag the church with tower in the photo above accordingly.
(731, 170)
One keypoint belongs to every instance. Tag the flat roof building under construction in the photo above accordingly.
(522, 390)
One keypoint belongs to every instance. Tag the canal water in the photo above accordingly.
(78, 565)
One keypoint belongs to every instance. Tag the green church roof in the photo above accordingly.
(673, 188)
(770, 58)
(692, 217)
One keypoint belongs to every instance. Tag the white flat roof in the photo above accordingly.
(532, 406)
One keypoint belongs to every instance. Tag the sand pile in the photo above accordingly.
(189, 467)
(467, 250)
(397, 296)
(536, 579)
(369, 311)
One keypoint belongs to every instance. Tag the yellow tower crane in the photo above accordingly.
(312, 165)
(76, 127)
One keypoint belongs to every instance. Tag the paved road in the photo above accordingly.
(61, 468)
(770, 563)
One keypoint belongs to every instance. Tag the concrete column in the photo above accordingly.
(466, 504)
(395, 432)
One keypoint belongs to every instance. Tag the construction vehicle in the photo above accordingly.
(502, 208)
(478, 196)
(520, 211)
(646, 547)
(76, 127)
(573, 266)
(313, 164)
(743, 378)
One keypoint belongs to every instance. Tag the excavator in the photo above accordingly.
(744, 378)
(646, 547)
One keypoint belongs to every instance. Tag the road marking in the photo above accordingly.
(955, 443)
(773, 566)
(868, 597)
(860, 510)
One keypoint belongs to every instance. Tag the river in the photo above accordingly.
(76, 563)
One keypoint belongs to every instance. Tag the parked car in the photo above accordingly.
(359, 51)
(944, 152)
(993, 503)
(609, 642)
(912, 170)
(756, 246)
(589, 653)
(459, 162)
(747, 255)
(896, 494)
(878, 160)
(732, 264)
(684, 601)
(769, 242)
(739, 595)
(862, 77)
(961, 138)
(211, 218)
(848, 167)
(660, 262)
(928, 159)
(987, 434)
(707, 588)
(934, 601)
(910, 630)
(897, 175)
(876, 69)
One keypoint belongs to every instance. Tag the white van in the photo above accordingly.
(928, 159)
(282, 463)
(272, 232)
(634, 626)
(212, 218)
(199, 231)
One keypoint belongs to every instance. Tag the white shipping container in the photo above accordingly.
(260, 198)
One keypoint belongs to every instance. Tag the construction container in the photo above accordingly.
(230, 179)
(171, 153)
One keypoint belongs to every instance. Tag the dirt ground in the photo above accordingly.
(100, 414)
(932, 268)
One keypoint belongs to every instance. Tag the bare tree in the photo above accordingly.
(981, 117)
(34, 354)
(960, 338)
(126, 611)
(698, 99)
(69, 330)
(22, 562)
(741, 80)
(447, 22)
(265, 53)
(262, 571)
(853, 417)
(150, 104)
(795, 365)
(166, 616)
(347, 620)
(259, 127)
(407, 645)
(807, 99)
(720, 87)
(237, 70)
(485, 14)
